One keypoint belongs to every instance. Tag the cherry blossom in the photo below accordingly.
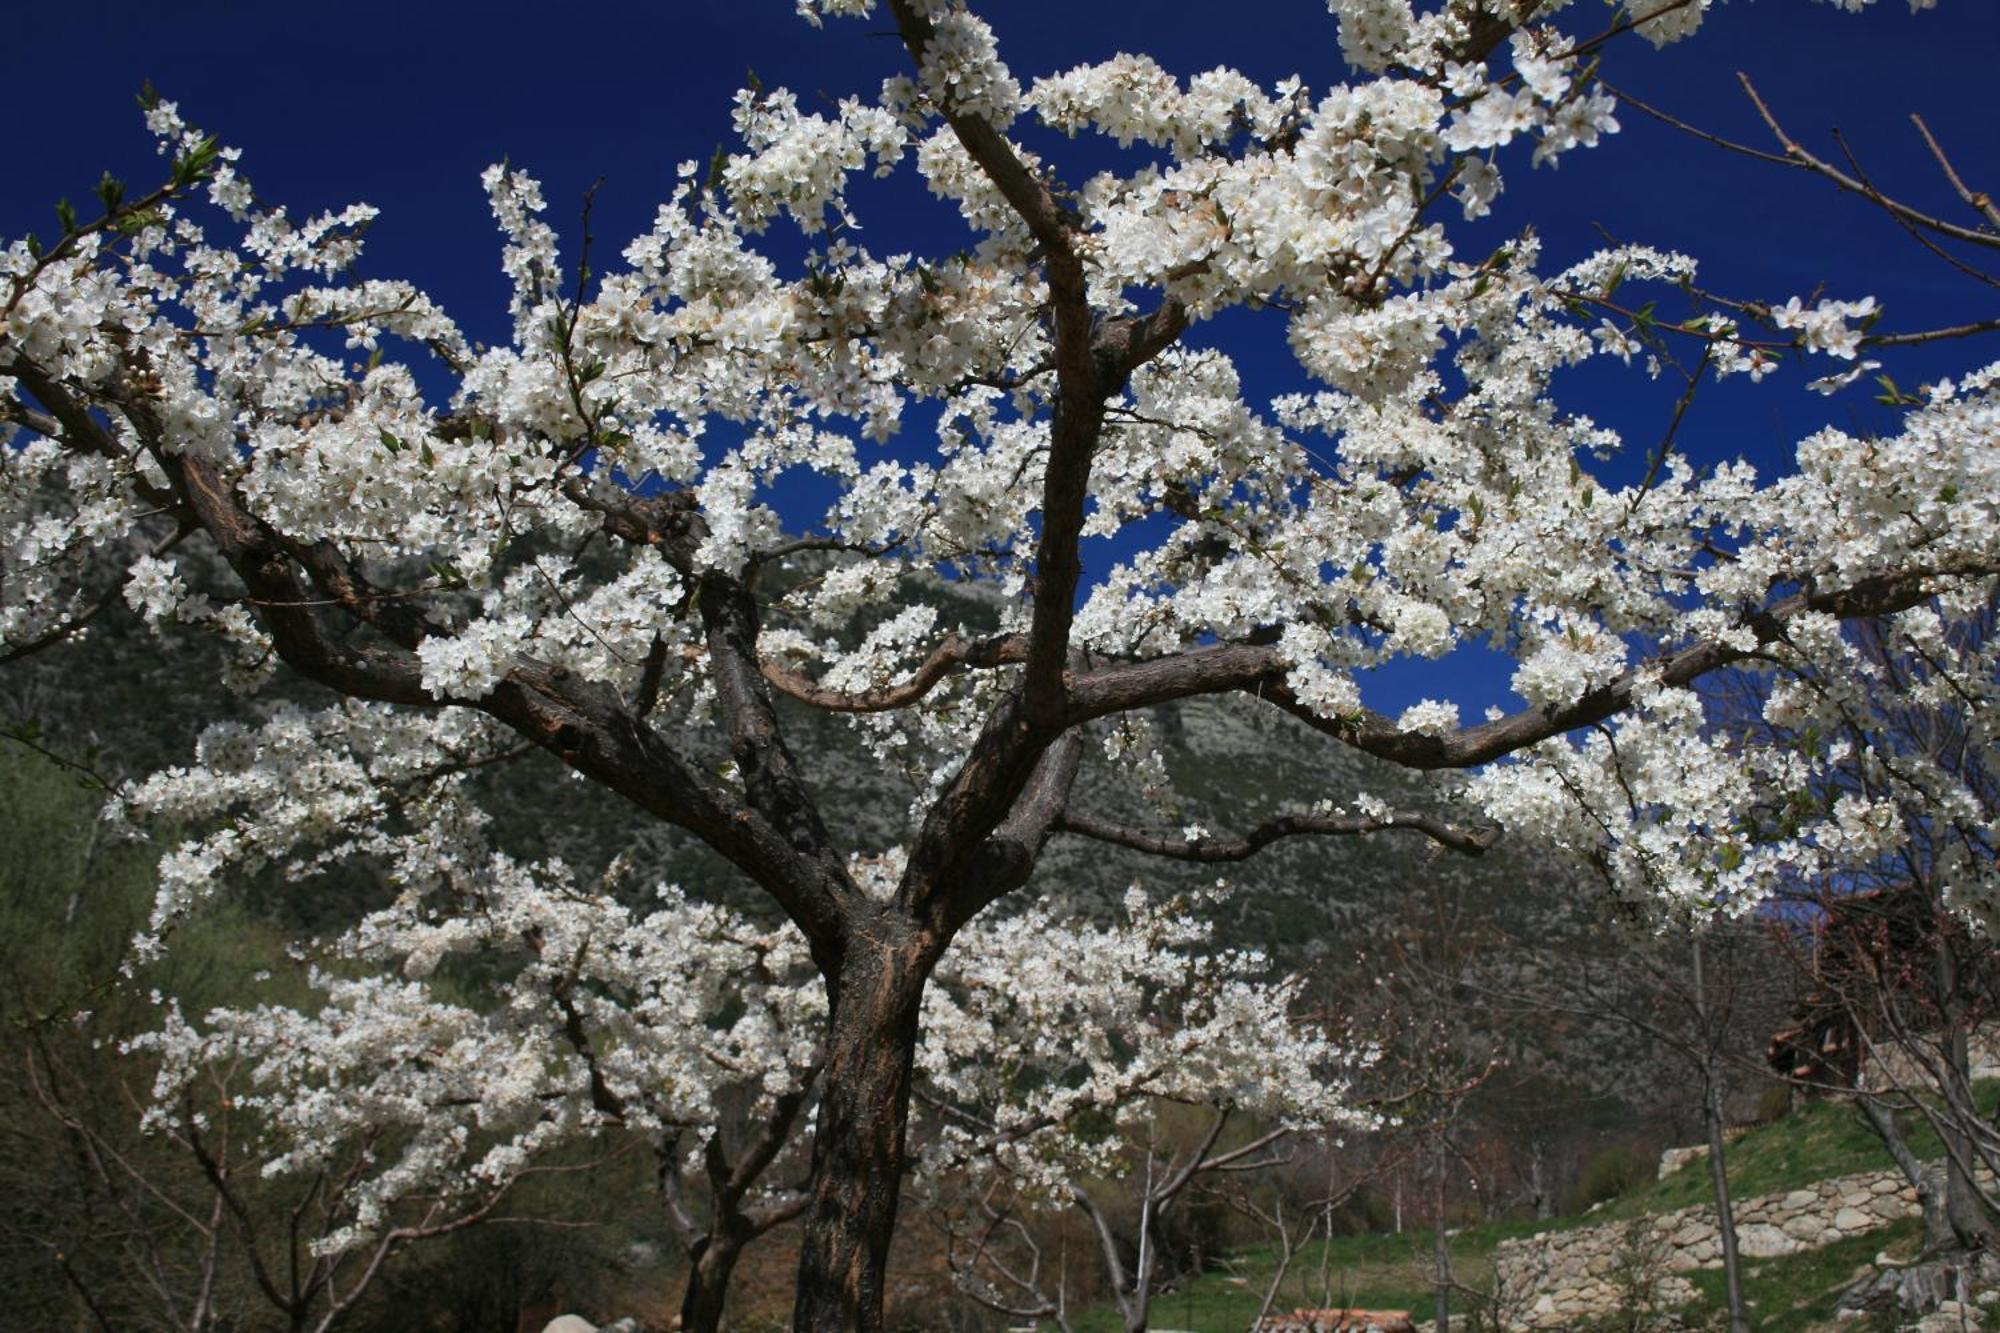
(580, 539)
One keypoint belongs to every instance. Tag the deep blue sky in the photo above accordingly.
(402, 105)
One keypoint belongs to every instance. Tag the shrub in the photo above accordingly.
(1611, 1173)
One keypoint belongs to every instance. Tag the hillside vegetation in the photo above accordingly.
(1386, 1270)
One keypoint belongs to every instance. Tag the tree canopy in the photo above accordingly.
(999, 504)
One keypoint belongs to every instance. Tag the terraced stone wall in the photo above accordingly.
(1558, 1277)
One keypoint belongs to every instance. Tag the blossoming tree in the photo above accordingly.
(1048, 1054)
(579, 541)
(425, 1093)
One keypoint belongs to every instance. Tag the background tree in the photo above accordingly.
(570, 542)
(1896, 987)
(1141, 1064)
(1706, 1000)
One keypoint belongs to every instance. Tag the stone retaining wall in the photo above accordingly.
(1559, 1277)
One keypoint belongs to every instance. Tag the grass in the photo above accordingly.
(1797, 1292)
(1389, 1271)
(1823, 1140)
(1382, 1270)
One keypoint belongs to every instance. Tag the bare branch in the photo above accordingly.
(954, 655)
(1976, 199)
(1797, 155)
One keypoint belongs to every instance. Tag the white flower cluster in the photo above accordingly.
(801, 163)
(1824, 327)
(456, 1089)
(1431, 492)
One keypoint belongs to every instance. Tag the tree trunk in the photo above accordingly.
(1927, 1181)
(708, 1282)
(1440, 1245)
(1963, 1208)
(1718, 1167)
(874, 994)
(1725, 1215)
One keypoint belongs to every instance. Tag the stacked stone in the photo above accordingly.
(1557, 1278)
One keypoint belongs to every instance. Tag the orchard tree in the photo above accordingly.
(1052, 1053)
(500, 1012)
(1896, 985)
(582, 540)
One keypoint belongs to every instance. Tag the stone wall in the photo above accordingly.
(1558, 1277)
(1889, 1066)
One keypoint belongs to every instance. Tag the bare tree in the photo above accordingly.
(1703, 998)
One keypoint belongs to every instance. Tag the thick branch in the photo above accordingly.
(76, 427)
(1471, 841)
(1026, 193)
(589, 728)
(1007, 858)
(670, 522)
(1082, 386)
(259, 559)
(771, 1138)
(770, 775)
(1261, 671)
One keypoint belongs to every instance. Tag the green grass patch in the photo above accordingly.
(1823, 1140)
(1390, 1271)
(1381, 1271)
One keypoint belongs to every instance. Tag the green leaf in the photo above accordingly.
(424, 452)
(34, 244)
(110, 192)
(197, 163)
(149, 97)
(389, 439)
(131, 224)
(66, 214)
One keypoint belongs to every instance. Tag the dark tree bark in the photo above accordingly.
(715, 1259)
(875, 992)
(984, 832)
